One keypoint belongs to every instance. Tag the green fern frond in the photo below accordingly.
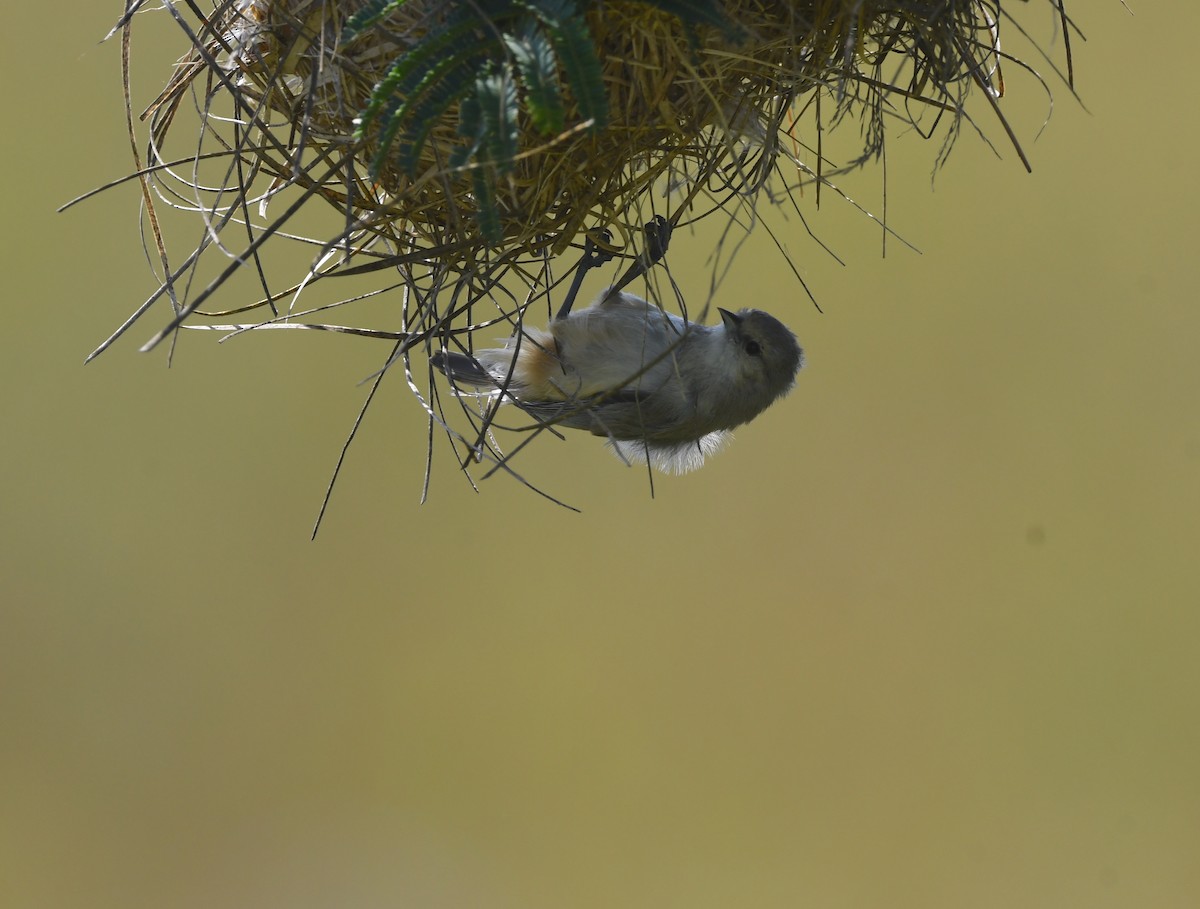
(420, 106)
(488, 214)
(534, 56)
(422, 117)
(470, 128)
(519, 47)
(497, 96)
(371, 13)
(414, 67)
(576, 50)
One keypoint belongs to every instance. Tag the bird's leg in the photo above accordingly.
(593, 255)
(658, 237)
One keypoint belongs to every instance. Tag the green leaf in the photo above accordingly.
(471, 128)
(370, 13)
(572, 41)
(423, 117)
(489, 214)
(497, 96)
(577, 52)
(538, 67)
(415, 66)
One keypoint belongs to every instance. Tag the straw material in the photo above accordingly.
(679, 102)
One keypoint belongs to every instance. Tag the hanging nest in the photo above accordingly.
(465, 144)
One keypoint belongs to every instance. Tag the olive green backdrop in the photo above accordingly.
(926, 635)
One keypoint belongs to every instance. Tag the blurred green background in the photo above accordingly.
(926, 635)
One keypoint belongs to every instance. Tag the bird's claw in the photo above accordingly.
(595, 254)
(658, 238)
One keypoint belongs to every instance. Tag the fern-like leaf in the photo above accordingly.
(538, 67)
(414, 67)
(470, 128)
(488, 214)
(370, 13)
(497, 96)
(576, 50)
(424, 116)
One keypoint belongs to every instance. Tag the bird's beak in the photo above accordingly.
(731, 319)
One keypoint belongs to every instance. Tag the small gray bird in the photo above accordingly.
(659, 388)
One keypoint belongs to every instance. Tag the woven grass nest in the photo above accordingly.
(467, 144)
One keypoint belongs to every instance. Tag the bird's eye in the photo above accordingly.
(753, 348)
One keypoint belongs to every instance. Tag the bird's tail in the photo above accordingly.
(462, 369)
